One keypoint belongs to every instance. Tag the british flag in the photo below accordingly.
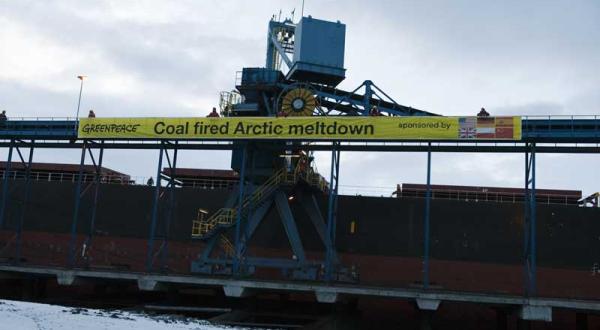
(467, 132)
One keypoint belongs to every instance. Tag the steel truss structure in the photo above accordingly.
(549, 135)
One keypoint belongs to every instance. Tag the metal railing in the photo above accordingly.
(208, 184)
(499, 197)
(32, 118)
(66, 177)
(202, 227)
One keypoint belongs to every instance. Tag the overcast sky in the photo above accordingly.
(172, 58)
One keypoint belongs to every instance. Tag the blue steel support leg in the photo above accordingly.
(72, 245)
(529, 233)
(201, 264)
(150, 252)
(335, 204)
(426, 220)
(164, 252)
(367, 97)
(97, 180)
(25, 204)
(289, 224)
(526, 228)
(332, 211)
(255, 219)
(532, 229)
(238, 220)
(5, 183)
(310, 205)
(253, 209)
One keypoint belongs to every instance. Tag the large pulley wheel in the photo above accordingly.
(298, 102)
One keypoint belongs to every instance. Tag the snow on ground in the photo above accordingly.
(17, 315)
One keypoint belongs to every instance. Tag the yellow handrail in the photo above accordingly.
(225, 216)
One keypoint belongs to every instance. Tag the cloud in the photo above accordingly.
(157, 58)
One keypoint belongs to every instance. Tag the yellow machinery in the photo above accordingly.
(298, 102)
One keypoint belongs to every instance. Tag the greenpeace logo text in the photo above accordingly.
(110, 128)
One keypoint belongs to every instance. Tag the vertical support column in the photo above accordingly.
(238, 213)
(529, 232)
(164, 252)
(426, 222)
(25, 204)
(367, 97)
(332, 210)
(270, 63)
(97, 180)
(150, 252)
(5, 183)
(72, 245)
(251, 216)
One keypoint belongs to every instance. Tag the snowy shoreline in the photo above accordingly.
(26, 315)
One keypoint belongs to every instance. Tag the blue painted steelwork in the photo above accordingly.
(86, 148)
(560, 129)
(367, 99)
(334, 101)
(279, 43)
(164, 251)
(154, 216)
(307, 271)
(39, 129)
(318, 52)
(238, 218)
(25, 204)
(254, 220)
(5, 183)
(310, 205)
(332, 211)
(97, 180)
(426, 234)
(289, 224)
(353, 103)
(530, 227)
(73, 243)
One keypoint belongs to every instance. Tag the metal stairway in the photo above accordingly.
(204, 228)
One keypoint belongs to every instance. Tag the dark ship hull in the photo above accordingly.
(475, 245)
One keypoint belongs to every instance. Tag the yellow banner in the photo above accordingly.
(304, 128)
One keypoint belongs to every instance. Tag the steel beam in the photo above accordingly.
(367, 98)
(289, 224)
(255, 219)
(25, 204)
(73, 243)
(5, 183)
(529, 236)
(332, 211)
(154, 215)
(309, 203)
(280, 50)
(97, 181)
(164, 252)
(238, 221)
(426, 234)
